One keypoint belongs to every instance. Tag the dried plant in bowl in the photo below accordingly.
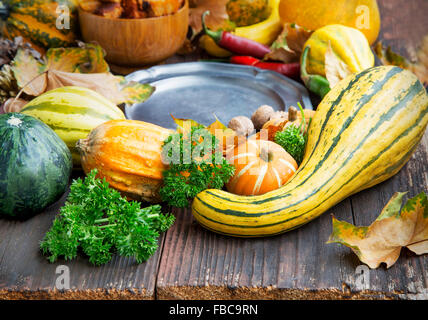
(149, 35)
(131, 9)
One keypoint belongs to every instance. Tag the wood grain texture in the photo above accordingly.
(193, 263)
(26, 274)
(198, 264)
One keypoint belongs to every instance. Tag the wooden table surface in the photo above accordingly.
(193, 263)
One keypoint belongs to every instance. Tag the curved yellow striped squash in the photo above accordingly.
(72, 112)
(365, 129)
(349, 44)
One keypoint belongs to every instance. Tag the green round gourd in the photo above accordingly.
(247, 12)
(35, 166)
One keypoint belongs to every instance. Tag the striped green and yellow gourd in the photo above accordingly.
(72, 112)
(349, 45)
(37, 20)
(364, 131)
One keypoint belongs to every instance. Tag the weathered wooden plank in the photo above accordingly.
(404, 23)
(196, 263)
(409, 275)
(199, 264)
(25, 273)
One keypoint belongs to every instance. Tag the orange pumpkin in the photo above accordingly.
(128, 154)
(261, 166)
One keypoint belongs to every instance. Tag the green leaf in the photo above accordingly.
(392, 208)
(135, 92)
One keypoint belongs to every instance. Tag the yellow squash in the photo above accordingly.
(266, 31)
(72, 112)
(360, 14)
(349, 45)
(364, 131)
(127, 153)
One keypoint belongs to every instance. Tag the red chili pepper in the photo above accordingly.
(236, 44)
(247, 60)
(291, 70)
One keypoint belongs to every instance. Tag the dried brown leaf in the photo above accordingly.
(288, 46)
(82, 66)
(382, 241)
(14, 105)
(217, 19)
(29, 73)
(420, 67)
(335, 68)
(105, 84)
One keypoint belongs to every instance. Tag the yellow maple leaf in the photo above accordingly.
(381, 242)
(289, 45)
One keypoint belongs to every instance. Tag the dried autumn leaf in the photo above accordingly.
(225, 135)
(273, 127)
(218, 18)
(185, 124)
(393, 229)
(105, 84)
(29, 73)
(86, 58)
(420, 67)
(14, 105)
(135, 92)
(335, 68)
(288, 46)
(83, 66)
(217, 125)
(389, 57)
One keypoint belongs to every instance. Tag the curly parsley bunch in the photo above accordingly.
(195, 164)
(99, 221)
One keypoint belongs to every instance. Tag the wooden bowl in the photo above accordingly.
(136, 42)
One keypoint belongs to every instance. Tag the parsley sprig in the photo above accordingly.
(99, 221)
(292, 139)
(198, 165)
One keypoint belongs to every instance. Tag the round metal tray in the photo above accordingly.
(204, 90)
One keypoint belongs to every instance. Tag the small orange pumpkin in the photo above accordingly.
(261, 166)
